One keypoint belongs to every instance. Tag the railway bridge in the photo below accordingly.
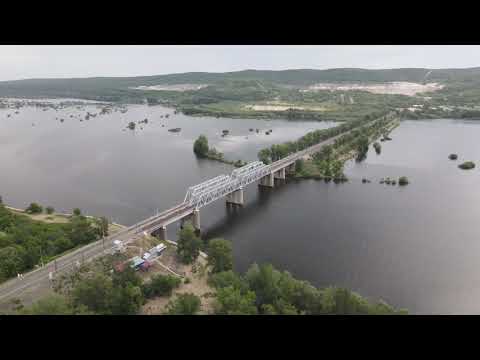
(231, 187)
(225, 186)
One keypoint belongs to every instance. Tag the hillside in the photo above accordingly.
(262, 93)
(300, 77)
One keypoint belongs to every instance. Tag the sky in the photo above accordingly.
(65, 61)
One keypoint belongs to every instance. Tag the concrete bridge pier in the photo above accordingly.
(267, 181)
(194, 219)
(162, 233)
(280, 174)
(235, 197)
(290, 169)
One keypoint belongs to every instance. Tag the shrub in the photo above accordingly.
(161, 285)
(220, 255)
(403, 180)
(188, 245)
(34, 208)
(49, 210)
(184, 304)
(200, 146)
(467, 165)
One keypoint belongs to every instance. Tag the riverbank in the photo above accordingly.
(62, 218)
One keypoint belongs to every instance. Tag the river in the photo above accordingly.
(415, 247)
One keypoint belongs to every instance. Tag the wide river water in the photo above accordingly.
(416, 247)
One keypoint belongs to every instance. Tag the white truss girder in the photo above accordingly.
(220, 186)
(195, 190)
(247, 168)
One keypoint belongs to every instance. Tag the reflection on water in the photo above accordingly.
(415, 246)
(105, 169)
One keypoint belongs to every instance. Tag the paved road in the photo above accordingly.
(37, 282)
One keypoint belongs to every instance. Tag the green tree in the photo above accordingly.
(265, 156)
(127, 276)
(200, 146)
(126, 300)
(77, 212)
(95, 293)
(161, 285)
(228, 278)
(188, 244)
(403, 180)
(50, 210)
(102, 226)
(263, 280)
(281, 307)
(362, 147)
(342, 301)
(81, 231)
(184, 304)
(299, 165)
(231, 301)
(336, 168)
(303, 296)
(220, 256)
(52, 305)
(11, 261)
(34, 208)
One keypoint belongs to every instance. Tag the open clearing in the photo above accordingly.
(176, 87)
(168, 264)
(282, 107)
(397, 87)
(52, 218)
(197, 274)
(59, 218)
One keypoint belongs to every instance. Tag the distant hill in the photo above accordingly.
(120, 88)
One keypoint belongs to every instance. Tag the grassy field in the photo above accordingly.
(58, 218)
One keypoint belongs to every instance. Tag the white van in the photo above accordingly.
(160, 248)
(117, 245)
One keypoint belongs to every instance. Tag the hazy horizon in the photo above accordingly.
(20, 62)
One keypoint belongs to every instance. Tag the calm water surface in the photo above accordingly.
(416, 246)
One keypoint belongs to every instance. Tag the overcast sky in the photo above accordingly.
(22, 62)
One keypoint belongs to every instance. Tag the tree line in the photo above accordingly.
(279, 151)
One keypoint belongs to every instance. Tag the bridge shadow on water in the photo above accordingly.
(237, 216)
